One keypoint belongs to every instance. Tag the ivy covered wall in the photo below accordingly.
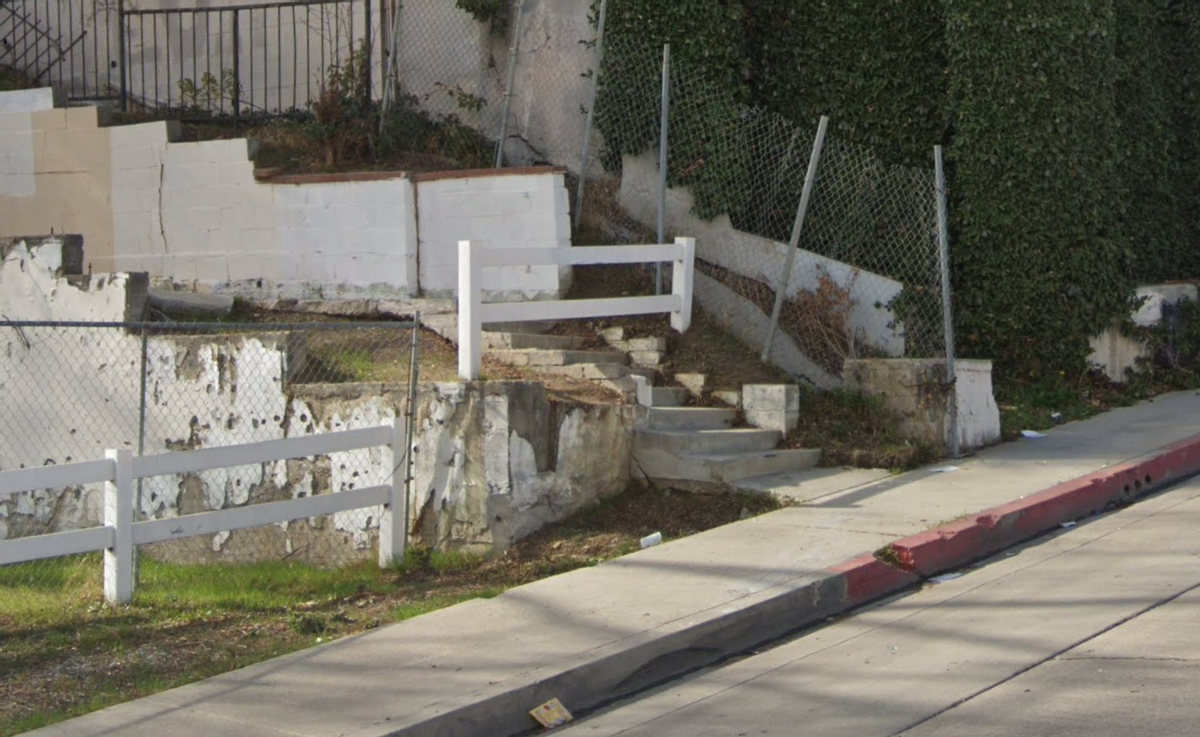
(1072, 129)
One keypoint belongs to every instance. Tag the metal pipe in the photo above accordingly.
(947, 307)
(797, 229)
(664, 136)
(591, 113)
(236, 93)
(410, 420)
(508, 87)
(393, 64)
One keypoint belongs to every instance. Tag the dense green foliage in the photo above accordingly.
(1072, 127)
(876, 66)
(1041, 258)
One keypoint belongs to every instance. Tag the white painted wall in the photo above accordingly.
(498, 211)
(193, 212)
(718, 242)
(16, 151)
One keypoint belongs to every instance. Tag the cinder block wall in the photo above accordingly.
(498, 208)
(193, 212)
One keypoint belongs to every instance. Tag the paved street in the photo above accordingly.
(1090, 632)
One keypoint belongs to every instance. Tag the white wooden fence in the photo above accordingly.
(473, 312)
(120, 470)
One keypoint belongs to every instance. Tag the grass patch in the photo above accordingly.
(65, 653)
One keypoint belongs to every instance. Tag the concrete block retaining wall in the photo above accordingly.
(193, 212)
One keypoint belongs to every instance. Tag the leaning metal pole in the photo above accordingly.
(797, 228)
(508, 87)
(591, 114)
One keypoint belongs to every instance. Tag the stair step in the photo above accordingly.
(707, 442)
(525, 341)
(664, 396)
(537, 357)
(588, 371)
(446, 325)
(689, 418)
(723, 468)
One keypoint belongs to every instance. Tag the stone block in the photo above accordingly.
(645, 359)
(784, 421)
(694, 383)
(1116, 354)
(731, 397)
(28, 101)
(771, 397)
(917, 390)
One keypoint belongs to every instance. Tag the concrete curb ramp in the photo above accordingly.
(475, 670)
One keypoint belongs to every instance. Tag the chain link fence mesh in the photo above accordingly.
(71, 391)
(866, 280)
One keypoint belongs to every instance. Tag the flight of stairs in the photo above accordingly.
(673, 444)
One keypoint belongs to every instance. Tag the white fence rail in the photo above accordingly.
(473, 312)
(120, 470)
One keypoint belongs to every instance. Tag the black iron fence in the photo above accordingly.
(237, 60)
(69, 44)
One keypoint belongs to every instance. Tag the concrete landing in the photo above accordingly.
(595, 634)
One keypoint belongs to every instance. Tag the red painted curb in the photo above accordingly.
(1001, 527)
(868, 578)
(957, 543)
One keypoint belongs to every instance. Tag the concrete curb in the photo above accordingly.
(990, 531)
(650, 658)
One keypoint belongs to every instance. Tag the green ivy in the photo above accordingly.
(1042, 260)
(1072, 129)
(493, 12)
(1146, 88)
(877, 67)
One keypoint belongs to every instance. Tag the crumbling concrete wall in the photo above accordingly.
(918, 391)
(493, 461)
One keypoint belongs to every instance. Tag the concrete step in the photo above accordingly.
(525, 341)
(689, 418)
(663, 396)
(535, 357)
(446, 325)
(588, 371)
(707, 442)
(724, 468)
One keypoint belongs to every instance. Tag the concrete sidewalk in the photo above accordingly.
(592, 635)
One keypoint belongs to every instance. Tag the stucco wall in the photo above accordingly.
(193, 212)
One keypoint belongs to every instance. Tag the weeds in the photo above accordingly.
(856, 429)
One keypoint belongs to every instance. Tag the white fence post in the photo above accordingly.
(393, 525)
(118, 514)
(470, 304)
(681, 283)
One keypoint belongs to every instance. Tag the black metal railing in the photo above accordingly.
(240, 60)
(68, 44)
(235, 60)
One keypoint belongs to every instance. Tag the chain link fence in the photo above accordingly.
(865, 281)
(73, 390)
